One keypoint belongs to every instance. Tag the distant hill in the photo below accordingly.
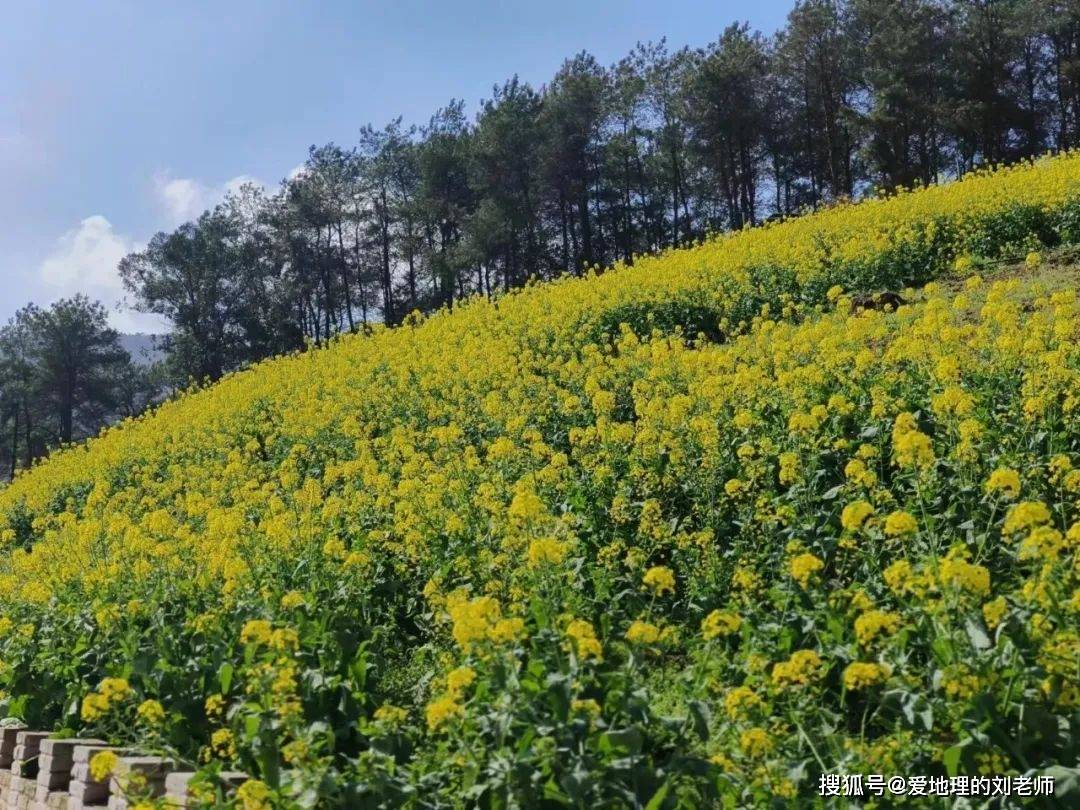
(141, 348)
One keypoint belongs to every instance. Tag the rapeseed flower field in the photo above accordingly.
(687, 533)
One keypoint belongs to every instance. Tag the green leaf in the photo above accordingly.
(700, 714)
(657, 800)
(1042, 723)
(1066, 784)
(979, 639)
(627, 739)
(225, 675)
(951, 759)
(917, 711)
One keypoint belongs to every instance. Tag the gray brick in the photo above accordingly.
(62, 751)
(176, 785)
(149, 771)
(7, 744)
(84, 789)
(21, 793)
(24, 758)
(31, 740)
(82, 753)
(55, 763)
(74, 803)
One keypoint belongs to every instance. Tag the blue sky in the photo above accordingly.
(119, 119)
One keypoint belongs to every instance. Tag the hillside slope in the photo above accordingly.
(687, 529)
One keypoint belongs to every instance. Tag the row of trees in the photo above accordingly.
(600, 164)
(605, 163)
(64, 374)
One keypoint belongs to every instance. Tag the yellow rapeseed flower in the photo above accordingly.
(1004, 480)
(546, 551)
(756, 743)
(94, 707)
(1024, 516)
(900, 524)
(441, 710)
(741, 701)
(659, 579)
(223, 744)
(862, 675)
(254, 795)
(102, 764)
(586, 706)
(642, 633)
(390, 714)
(583, 637)
(720, 623)
(802, 668)
(151, 712)
(965, 575)
(214, 706)
(994, 611)
(804, 568)
(876, 623)
(256, 631)
(855, 514)
(458, 680)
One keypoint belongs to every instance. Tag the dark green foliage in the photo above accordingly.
(63, 375)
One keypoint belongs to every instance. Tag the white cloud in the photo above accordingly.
(126, 320)
(84, 260)
(87, 256)
(183, 199)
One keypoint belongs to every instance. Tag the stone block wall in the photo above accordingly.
(39, 772)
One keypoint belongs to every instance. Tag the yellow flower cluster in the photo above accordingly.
(254, 794)
(1024, 516)
(911, 447)
(875, 623)
(458, 680)
(720, 623)
(741, 701)
(898, 524)
(805, 567)
(546, 551)
(855, 515)
(802, 668)
(478, 619)
(442, 710)
(584, 640)
(642, 633)
(659, 579)
(223, 744)
(862, 675)
(151, 712)
(111, 692)
(392, 715)
(756, 742)
(103, 764)
(964, 575)
(1004, 480)
(994, 611)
